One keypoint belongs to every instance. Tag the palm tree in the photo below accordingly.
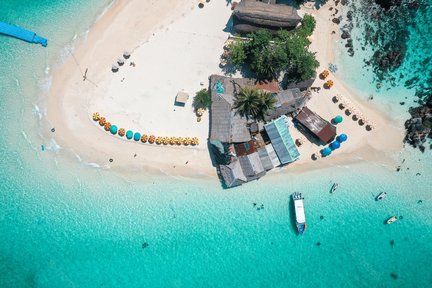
(267, 102)
(253, 102)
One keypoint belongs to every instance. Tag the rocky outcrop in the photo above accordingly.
(249, 16)
(419, 127)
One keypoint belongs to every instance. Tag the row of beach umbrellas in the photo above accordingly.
(136, 136)
(352, 110)
(120, 61)
(327, 151)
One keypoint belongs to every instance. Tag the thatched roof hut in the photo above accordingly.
(250, 15)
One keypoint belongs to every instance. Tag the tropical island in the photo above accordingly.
(263, 81)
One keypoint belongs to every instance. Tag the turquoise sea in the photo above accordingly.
(65, 224)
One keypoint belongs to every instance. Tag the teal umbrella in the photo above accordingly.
(129, 134)
(113, 129)
(137, 136)
(338, 119)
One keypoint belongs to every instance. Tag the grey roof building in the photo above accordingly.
(288, 101)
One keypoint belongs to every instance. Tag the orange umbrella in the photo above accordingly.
(144, 138)
(121, 132)
(102, 121)
(151, 139)
(107, 126)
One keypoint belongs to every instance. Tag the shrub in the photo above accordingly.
(202, 99)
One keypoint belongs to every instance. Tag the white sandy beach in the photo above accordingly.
(176, 46)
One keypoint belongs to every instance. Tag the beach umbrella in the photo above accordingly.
(126, 54)
(335, 145)
(342, 138)
(137, 136)
(144, 138)
(326, 152)
(107, 126)
(113, 129)
(121, 132)
(102, 121)
(338, 119)
(129, 134)
(96, 116)
(120, 61)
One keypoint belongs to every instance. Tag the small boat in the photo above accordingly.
(334, 187)
(299, 211)
(391, 220)
(381, 196)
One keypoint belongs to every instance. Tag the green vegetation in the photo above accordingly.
(251, 102)
(268, 56)
(202, 99)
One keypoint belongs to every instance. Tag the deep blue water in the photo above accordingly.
(64, 224)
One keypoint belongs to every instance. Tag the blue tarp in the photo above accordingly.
(22, 34)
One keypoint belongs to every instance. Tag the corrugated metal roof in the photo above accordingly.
(316, 125)
(281, 140)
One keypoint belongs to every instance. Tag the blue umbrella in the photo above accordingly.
(137, 136)
(342, 138)
(335, 145)
(129, 134)
(326, 152)
(113, 129)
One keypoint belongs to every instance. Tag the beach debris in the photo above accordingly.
(43, 147)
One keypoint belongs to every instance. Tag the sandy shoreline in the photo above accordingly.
(177, 46)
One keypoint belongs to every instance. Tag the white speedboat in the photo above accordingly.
(391, 220)
(381, 196)
(299, 211)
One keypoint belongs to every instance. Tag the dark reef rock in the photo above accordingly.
(336, 20)
(345, 34)
(419, 127)
(387, 4)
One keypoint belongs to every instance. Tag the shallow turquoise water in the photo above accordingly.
(67, 224)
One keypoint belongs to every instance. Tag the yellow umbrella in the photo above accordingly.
(96, 116)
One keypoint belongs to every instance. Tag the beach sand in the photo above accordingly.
(176, 46)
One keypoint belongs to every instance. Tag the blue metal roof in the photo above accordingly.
(281, 140)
